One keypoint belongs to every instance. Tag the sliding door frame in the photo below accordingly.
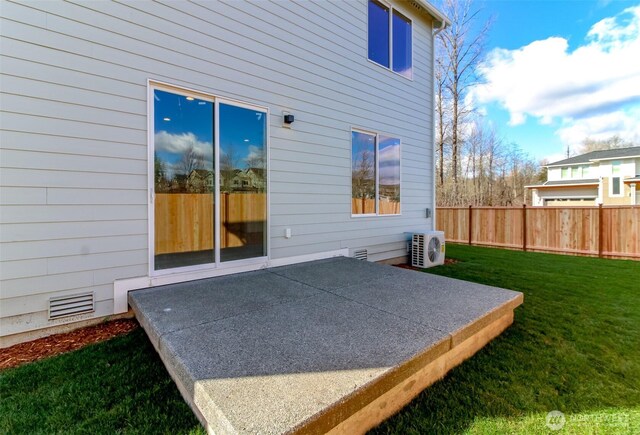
(216, 265)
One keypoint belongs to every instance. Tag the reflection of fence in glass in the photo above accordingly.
(184, 221)
(368, 206)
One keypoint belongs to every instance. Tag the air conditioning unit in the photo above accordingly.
(427, 249)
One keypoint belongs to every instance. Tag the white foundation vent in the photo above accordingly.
(71, 305)
(361, 254)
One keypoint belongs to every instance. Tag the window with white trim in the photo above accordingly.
(616, 179)
(390, 38)
(375, 174)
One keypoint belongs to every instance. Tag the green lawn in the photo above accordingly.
(574, 347)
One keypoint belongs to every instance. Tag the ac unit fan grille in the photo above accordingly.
(434, 249)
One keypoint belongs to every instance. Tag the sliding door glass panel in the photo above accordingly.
(363, 173)
(389, 175)
(183, 180)
(243, 182)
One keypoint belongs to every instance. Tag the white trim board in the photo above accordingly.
(122, 287)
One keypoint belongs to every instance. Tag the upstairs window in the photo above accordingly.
(616, 180)
(576, 172)
(390, 41)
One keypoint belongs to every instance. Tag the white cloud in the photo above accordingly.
(623, 123)
(255, 156)
(179, 143)
(586, 90)
(389, 162)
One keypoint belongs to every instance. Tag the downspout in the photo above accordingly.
(442, 26)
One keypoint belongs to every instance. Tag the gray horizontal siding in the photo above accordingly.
(73, 133)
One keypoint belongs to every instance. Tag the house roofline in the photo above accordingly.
(433, 11)
(550, 186)
(553, 165)
(558, 165)
(616, 158)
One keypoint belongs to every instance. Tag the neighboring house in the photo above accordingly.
(200, 180)
(105, 104)
(609, 177)
(251, 179)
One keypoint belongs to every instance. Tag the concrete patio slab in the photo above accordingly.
(331, 345)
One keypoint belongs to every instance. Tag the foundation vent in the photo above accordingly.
(360, 254)
(71, 305)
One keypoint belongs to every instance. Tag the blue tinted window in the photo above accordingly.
(363, 173)
(401, 44)
(378, 33)
(389, 175)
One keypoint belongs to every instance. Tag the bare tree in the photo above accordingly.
(256, 158)
(441, 112)
(462, 50)
(611, 143)
(191, 159)
(363, 175)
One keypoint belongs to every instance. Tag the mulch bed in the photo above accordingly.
(44, 347)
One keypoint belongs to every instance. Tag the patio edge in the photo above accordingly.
(382, 398)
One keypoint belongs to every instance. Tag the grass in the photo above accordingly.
(574, 347)
(119, 386)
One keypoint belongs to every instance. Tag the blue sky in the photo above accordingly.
(559, 71)
(181, 123)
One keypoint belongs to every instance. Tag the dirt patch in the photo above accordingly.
(44, 347)
(408, 266)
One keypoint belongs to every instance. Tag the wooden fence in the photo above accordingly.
(184, 221)
(369, 206)
(609, 231)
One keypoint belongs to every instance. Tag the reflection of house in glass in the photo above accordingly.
(200, 181)
(243, 180)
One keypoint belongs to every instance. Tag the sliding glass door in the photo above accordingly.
(243, 182)
(209, 180)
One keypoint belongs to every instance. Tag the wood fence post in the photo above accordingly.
(470, 223)
(600, 235)
(524, 227)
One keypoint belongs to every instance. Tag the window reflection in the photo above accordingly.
(363, 175)
(183, 180)
(389, 178)
(379, 33)
(375, 167)
(401, 44)
(243, 182)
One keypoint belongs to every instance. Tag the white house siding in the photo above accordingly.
(546, 196)
(73, 184)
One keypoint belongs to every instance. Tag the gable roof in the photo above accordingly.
(598, 155)
(571, 182)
